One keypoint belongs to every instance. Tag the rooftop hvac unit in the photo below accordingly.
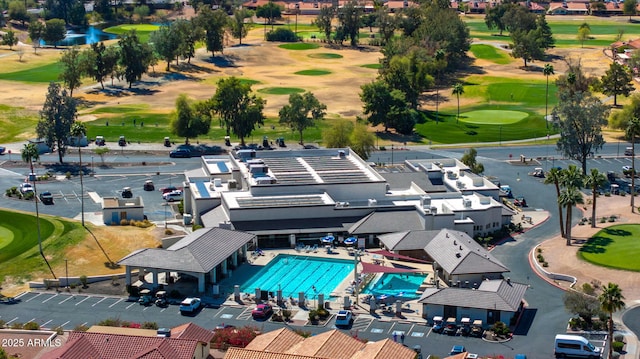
(233, 184)
(265, 180)
(425, 201)
(164, 332)
(466, 203)
(217, 182)
(341, 154)
(433, 210)
(373, 202)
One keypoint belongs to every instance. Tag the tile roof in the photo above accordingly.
(387, 222)
(331, 345)
(244, 353)
(192, 331)
(82, 345)
(384, 349)
(198, 252)
(276, 341)
(494, 294)
(457, 253)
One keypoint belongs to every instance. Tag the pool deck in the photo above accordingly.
(411, 309)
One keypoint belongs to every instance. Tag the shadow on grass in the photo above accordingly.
(617, 232)
(596, 244)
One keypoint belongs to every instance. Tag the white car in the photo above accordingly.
(172, 196)
(26, 187)
(626, 168)
(344, 318)
(190, 305)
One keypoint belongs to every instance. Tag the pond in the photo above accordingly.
(91, 36)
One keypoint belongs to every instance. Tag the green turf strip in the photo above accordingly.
(614, 247)
(493, 117)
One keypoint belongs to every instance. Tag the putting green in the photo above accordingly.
(495, 117)
(614, 247)
(6, 236)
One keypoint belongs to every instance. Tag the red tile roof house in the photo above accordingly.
(187, 341)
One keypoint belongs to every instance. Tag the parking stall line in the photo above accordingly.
(391, 328)
(65, 323)
(82, 300)
(131, 305)
(32, 320)
(69, 297)
(145, 308)
(21, 295)
(47, 322)
(219, 312)
(162, 310)
(98, 302)
(84, 324)
(48, 299)
(32, 298)
(11, 321)
(119, 300)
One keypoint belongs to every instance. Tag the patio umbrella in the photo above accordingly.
(327, 239)
(351, 240)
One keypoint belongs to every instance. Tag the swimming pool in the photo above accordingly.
(293, 274)
(393, 284)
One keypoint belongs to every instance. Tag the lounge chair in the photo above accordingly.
(315, 248)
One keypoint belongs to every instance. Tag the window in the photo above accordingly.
(574, 346)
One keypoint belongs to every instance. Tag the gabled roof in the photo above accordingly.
(198, 252)
(331, 345)
(82, 345)
(244, 353)
(384, 349)
(495, 294)
(276, 341)
(388, 222)
(407, 240)
(457, 253)
(192, 331)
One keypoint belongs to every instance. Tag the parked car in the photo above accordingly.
(457, 349)
(168, 189)
(180, 153)
(262, 311)
(520, 202)
(438, 324)
(2, 149)
(122, 141)
(344, 318)
(190, 305)
(25, 188)
(506, 190)
(100, 141)
(172, 196)
(127, 192)
(46, 197)
(450, 327)
(148, 185)
(223, 326)
(628, 151)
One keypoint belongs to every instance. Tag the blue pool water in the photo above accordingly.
(392, 284)
(295, 274)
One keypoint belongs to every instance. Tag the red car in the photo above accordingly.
(262, 311)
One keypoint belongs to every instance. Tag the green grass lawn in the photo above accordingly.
(565, 31)
(528, 93)
(372, 66)
(614, 247)
(493, 117)
(491, 53)
(142, 30)
(313, 72)
(43, 73)
(20, 257)
(326, 55)
(299, 46)
(281, 90)
(16, 123)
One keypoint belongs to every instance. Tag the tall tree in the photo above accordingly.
(632, 131)
(99, 62)
(324, 21)
(584, 33)
(470, 160)
(134, 57)
(190, 32)
(409, 19)
(620, 119)
(410, 74)
(570, 197)
(239, 111)
(380, 101)
(611, 300)
(238, 27)
(518, 18)
(166, 42)
(617, 80)
(9, 39)
(458, 89)
(36, 33)
(187, 121)
(629, 7)
(581, 118)
(269, 11)
(594, 181)
(349, 17)
(526, 46)
(54, 31)
(56, 118)
(444, 29)
(18, 12)
(545, 36)
(338, 134)
(72, 69)
(214, 24)
(79, 131)
(494, 16)
(362, 141)
(554, 177)
(302, 112)
(547, 71)
(387, 25)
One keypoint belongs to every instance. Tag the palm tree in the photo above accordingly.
(611, 300)
(632, 131)
(569, 197)
(572, 177)
(458, 90)
(29, 154)
(547, 71)
(554, 176)
(79, 130)
(593, 181)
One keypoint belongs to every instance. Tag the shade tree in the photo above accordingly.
(190, 120)
(56, 117)
(302, 112)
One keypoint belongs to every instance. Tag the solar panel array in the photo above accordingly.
(290, 170)
(257, 202)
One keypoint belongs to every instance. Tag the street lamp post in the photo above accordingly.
(392, 154)
(297, 9)
(92, 164)
(66, 272)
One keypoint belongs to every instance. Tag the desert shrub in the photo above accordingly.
(322, 313)
(240, 337)
(499, 328)
(31, 326)
(168, 232)
(539, 250)
(313, 315)
(124, 222)
(617, 346)
(588, 289)
(615, 355)
(277, 317)
(59, 330)
(286, 314)
(110, 322)
(545, 264)
(282, 35)
(17, 325)
(81, 328)
(302, 333)
(618, 338)
(83, 281)
(195, 227)
(540, 258)
(149, 325)
(67, 175)
(2, 323)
